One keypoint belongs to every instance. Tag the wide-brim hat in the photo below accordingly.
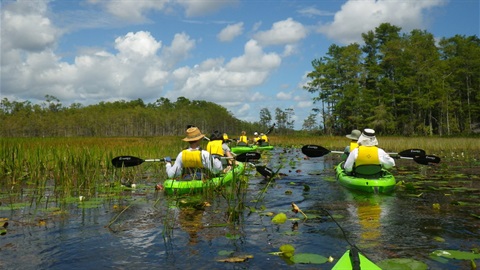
(354, 135)
(368, 138)
(193, 134)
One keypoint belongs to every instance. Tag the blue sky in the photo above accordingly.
(243, 55)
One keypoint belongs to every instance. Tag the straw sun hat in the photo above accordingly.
(193, 134)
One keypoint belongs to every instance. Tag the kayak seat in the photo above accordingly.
(368, 171)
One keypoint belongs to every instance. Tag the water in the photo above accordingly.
(155, 231)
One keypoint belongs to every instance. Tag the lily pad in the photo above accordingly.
(287, 250)
(402, 264)
(309, 258)
(280, 218)
(456, 254)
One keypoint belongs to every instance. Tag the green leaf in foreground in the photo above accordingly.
(280, 218)
(402, 264)
(456, 254)
(308, 258)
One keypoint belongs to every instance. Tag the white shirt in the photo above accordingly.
(386, 160)
(214, 165)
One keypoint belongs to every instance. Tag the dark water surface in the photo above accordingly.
(155, 231)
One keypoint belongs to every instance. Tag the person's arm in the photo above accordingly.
(386, 160)
(348, 166)
(175, 169)
(213, 164)
(228, 153)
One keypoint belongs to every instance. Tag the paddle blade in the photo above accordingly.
(126, 161)
(270, 129)
(314, 150)
(425, 160)
(264, 171)
(248, 156)
(412, 153)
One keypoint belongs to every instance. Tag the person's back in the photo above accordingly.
(243, 140)
(193, 162)
(263, 140)
(368, 158)
(219, 148)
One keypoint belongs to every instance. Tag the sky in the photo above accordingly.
(245, 55)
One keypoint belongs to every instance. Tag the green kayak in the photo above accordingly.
(178, 187)
(383, 184)
(347, 262)
(243, 149)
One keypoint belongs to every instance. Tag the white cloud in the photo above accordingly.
(314, 12)
(230, 32)
(132, 11)
(282, 32)
(140, 44)
(25, 26)
(305, 104)
(254, 59)
(201, 7)
(179, 50)
(284, 96)
(360, 16)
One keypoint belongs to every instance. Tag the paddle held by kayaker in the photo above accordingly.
(193, 162)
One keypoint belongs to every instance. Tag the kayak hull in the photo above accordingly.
(345, 263)
(384, 184)
(180, 187)
(244, 149)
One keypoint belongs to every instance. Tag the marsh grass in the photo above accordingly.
(46, 174)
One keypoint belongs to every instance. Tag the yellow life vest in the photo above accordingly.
(243, 139)
(264, 138)
(367, 155)
(353, 145)
(192, 158)
(215, 148)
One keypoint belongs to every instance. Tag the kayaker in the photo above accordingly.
(193, 162)
(243, 140)
(218, 147)
(263, 139)
(256, 137)
(353, 136)
(368, 153)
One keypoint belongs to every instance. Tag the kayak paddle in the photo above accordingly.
(130, 161)
(418, 155)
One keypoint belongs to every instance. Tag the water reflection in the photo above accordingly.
(370, 212)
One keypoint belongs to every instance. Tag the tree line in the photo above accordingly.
(123, 118)
(409, 84)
